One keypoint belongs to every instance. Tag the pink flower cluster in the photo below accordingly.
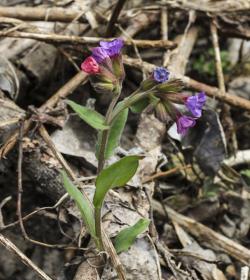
(102, 54)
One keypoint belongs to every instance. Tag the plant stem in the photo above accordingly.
(98, 228)
(111, 114)
(105, 134)
(101, 162)
(133, 98)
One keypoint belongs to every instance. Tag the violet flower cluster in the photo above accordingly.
(106, 72)
(165, 97)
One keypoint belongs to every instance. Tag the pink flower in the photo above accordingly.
(90, 66)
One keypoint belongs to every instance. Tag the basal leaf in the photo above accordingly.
(116, 175)
(126, 237)
(90, 116)
(81, 202)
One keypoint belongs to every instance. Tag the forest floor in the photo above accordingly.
(195, 189)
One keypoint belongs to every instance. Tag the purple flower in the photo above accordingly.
(160, 74)
(99, 54)
(195, 103)
(113, 47)
(184, 123)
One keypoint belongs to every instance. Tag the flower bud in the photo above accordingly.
(161, 113)
(173, 86)
(90, 66)
(147, 84)
(102, 83)
(118, 68)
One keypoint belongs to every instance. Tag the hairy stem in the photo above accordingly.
(105, 134)
(101, 162)
(98, 228)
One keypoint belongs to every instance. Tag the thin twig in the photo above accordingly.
(164, 33)
(39, 13)
(218, 64)
(126, 34)
(13, 249)
(19, 181)
(166, 173)
(28, 216)
(115, 14)
(220, 77)
(54, 38)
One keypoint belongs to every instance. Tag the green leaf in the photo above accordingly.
(115, 133)
(90, 116)
(139, 106)
(116, 175)
(126, 237)
(81, 202)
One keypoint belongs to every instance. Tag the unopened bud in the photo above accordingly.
(173, 86)
(147, 84)
(161, 113)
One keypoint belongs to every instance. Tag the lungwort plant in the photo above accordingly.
(159, 94)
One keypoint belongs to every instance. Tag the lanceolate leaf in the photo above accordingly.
(82, 203)
(115, 133)
(126, 237)
(90, 116)
(116, 175)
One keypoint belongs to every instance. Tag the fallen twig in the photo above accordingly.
(166, 173)
(204, 233)
(62, 39)
(38, 13)
(114, 17)
(12, 248)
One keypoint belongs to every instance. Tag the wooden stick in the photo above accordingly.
(218, 64)
(210, 91)
(37, 14)
(78, 40)
(166, 173)
(13, 249)
(204, 233)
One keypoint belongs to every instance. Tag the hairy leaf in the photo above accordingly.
(115, 133)
(116, 175)
(90, 116)
(126, 237)
(81, 202)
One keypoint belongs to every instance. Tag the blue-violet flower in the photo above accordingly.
(113, 47)
(160, 74)
(99, 54)
(195, 103)
(184, 123)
